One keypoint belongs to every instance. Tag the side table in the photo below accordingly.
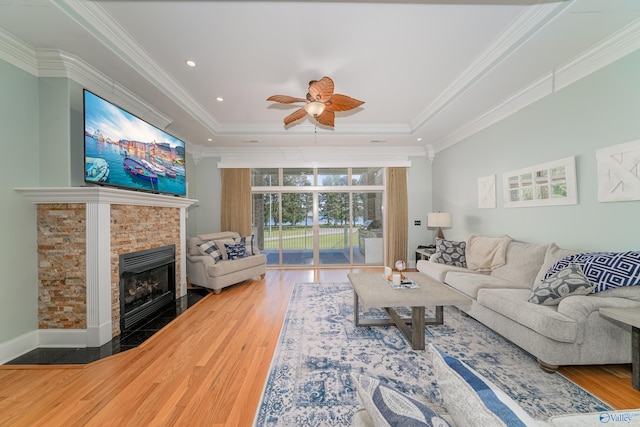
(424, 253)
(630, 316)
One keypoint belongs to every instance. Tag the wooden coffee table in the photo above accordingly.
(373, 291)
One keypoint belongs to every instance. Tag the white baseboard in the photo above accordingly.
(18, 346)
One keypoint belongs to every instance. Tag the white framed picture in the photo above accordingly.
(487, 192)
(547, 184)
(619, 172)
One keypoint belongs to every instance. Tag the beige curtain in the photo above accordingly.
(235, 209)
(397, 216)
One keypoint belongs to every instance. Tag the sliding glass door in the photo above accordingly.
(316, 218)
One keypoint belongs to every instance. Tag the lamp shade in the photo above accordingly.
(439, 219)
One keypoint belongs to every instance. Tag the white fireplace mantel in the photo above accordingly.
(98, 247)
(102, 195)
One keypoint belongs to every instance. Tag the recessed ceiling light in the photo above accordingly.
(419, 139)
(209, 139)
(219, 98)
(190, 63)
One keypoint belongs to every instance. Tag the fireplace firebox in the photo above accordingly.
(147, 283)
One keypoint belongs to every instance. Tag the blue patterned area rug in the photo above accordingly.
(309, 383)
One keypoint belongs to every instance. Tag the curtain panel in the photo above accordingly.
(397, 216)
(235, 201)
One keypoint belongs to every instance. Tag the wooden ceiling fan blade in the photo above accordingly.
(326, 118)
(321, 90)
(285, 99)
(296, 115)
(340, 102)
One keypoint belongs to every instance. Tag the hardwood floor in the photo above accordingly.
(207, 367)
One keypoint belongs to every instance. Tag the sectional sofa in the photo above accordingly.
(570, 331)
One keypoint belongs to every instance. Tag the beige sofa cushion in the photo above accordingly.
(226, 267)
(553, 255)
(470, 283)
(545, 320)
(523, 263)
(438, 271)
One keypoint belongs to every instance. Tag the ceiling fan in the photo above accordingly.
(321, 103)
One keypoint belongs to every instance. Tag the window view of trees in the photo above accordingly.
(284, 214)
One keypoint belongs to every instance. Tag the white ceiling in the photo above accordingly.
(437, 70)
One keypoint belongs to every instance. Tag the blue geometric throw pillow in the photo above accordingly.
(210, 248)
(236, 251)
(450, 252)
(607, 270)
(389, 407)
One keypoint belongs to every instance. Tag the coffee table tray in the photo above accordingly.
(405, 283)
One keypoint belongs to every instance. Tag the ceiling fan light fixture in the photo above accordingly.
(314, 108)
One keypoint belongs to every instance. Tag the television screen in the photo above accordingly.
(124, 151)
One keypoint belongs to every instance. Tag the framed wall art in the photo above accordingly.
(487, 192)
(619, 172)
(547, 184)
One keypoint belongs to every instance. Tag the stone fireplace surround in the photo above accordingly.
(82, 231)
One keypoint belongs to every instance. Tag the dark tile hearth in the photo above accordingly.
(130, 339)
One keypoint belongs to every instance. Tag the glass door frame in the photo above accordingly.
(315, 190)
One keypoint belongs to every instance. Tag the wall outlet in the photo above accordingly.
(417, 222)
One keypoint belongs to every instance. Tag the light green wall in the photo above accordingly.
(207, 210)
(55, 124)
(20, 168)
(419, 190)
(76, 137)
(598, 111)
(192, 191)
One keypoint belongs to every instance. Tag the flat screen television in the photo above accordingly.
(122, 150)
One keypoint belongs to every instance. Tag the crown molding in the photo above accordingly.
(302, 156)
(613, 48)
(18, 53)
(92, 17)
(55, 63)
(608, 51)
(518, 33)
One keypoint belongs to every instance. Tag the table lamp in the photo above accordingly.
(440, 220)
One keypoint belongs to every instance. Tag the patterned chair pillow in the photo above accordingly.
(450, 252)
(211, 249)
(607, 270)
(246, 241)
(389, 407)
(235, 251)
(561, 284)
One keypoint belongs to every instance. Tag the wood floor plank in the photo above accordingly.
(206, 368)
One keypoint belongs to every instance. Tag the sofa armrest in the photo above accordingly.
(579, 307)
(206, 260)
(197, 267)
